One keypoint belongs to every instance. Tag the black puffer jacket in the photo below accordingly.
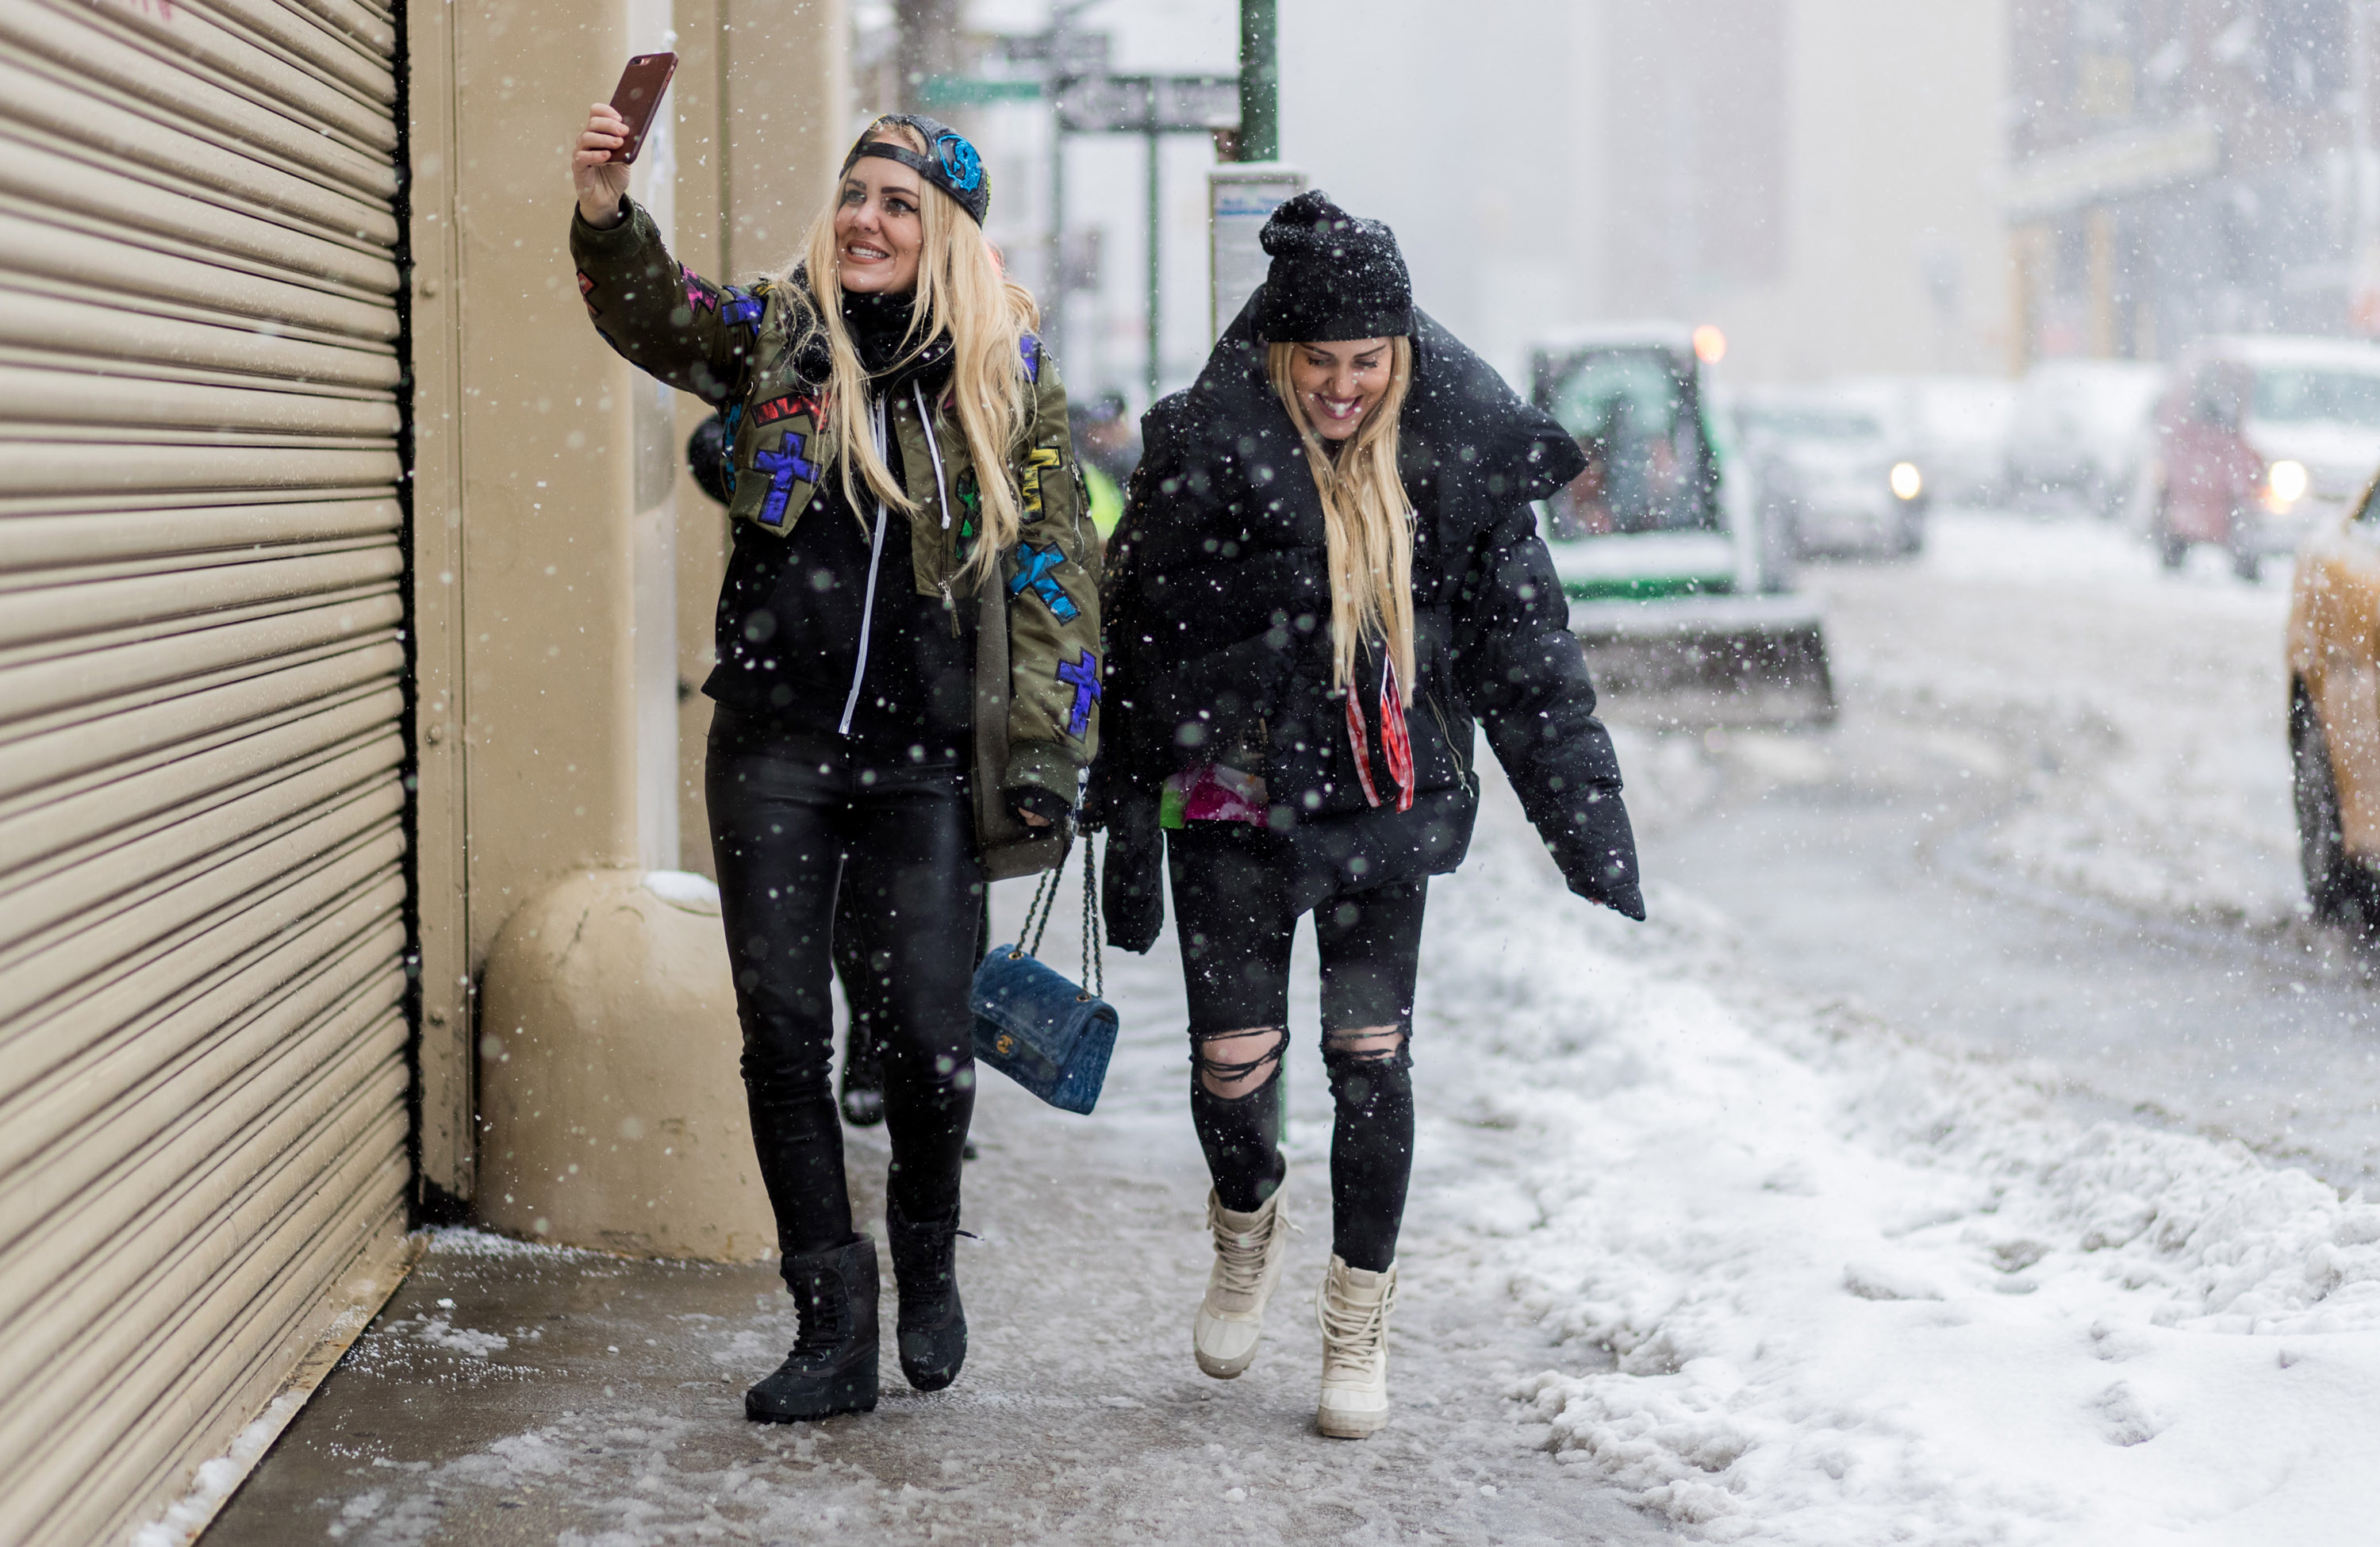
(1217, 613)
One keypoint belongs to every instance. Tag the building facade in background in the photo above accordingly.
(1823, 182)
(2180, 167)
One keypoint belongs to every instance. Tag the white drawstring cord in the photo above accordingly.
(868, 606)
(933, 453)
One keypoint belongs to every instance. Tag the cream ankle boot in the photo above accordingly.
(1248, 1252)
(1352, 1309)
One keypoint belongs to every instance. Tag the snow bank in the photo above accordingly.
(1857, 1292)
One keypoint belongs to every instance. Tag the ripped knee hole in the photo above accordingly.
(1220, 1075)
(1365, 1044)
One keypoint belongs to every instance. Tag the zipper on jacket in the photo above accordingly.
(868, 606)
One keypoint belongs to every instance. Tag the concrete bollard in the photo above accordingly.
(611, 1110)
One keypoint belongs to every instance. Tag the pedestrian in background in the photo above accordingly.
(1108, 445)
(895, 441)
(1328, 571)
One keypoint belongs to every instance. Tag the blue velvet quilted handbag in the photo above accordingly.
(1050, 1035)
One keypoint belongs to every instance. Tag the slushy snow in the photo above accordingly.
(1861, 1291)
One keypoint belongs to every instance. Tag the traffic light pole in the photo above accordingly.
(1155, 232)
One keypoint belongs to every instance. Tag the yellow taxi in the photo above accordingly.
(2335, 711)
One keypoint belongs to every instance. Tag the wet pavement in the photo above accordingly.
(1867, 862)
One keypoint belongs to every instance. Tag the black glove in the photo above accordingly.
(1133, 891)
(1047, 804)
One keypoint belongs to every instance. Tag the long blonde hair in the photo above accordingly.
(1366, 518)
(961, 292)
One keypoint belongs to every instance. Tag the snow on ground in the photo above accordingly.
(218, 1478)
(1860, 1292)
(2162, 776)
(1773, 1274)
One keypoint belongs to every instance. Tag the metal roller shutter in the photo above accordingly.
(203, 1063)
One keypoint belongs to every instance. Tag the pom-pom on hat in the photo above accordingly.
(1334, 276)
(949, 163)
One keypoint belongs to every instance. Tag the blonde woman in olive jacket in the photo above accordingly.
(899, 465)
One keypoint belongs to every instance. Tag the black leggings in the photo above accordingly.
(790, 818)
(1233, 912)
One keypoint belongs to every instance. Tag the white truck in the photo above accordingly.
(1676, 592)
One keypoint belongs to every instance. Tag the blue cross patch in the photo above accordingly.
(782, 465)
(1083, 676)
(738, 307)
(1033, 566)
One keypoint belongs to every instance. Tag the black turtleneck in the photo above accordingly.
(790, 612)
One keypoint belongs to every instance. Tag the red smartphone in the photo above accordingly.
(639, 97)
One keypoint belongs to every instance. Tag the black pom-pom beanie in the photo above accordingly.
(1334, 276)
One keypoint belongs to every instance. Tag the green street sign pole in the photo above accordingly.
(1259, 81)
(1156, 251)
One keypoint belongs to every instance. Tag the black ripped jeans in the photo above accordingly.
(792, 816)
(1233, 912)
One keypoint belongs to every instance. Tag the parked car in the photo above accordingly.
(2259, 441)
(2081, 427)
(1954, 428)
(2334, 654)
(1828, 472)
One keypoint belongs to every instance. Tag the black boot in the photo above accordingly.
(863, 1076)
(933, 1323)
(832, 1368)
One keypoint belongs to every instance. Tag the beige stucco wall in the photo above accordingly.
(566, 567)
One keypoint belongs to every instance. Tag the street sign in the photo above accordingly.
(1240, 199)
(973, 91)
(1148, 104)
(1065, 54)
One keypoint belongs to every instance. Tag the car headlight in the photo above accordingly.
(2285, 484)
(1907, 484)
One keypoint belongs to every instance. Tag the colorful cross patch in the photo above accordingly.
(738, 308)
(1083, 676)
(1033, 566)
(782, 465)
(1040, 457)
(786, 407)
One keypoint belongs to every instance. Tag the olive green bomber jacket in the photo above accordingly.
(733, 348)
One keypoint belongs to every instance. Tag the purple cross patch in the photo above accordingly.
(1083, 675)
(783, 466)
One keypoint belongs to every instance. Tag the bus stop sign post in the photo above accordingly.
(1240, 199)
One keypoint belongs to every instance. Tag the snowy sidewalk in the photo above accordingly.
(518, 1393)
(1856, 1293)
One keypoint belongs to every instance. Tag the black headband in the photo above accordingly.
(953, 167)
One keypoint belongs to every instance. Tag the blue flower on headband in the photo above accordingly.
(960, 163)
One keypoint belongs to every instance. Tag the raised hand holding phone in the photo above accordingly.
(616, 132)
(602, 181)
